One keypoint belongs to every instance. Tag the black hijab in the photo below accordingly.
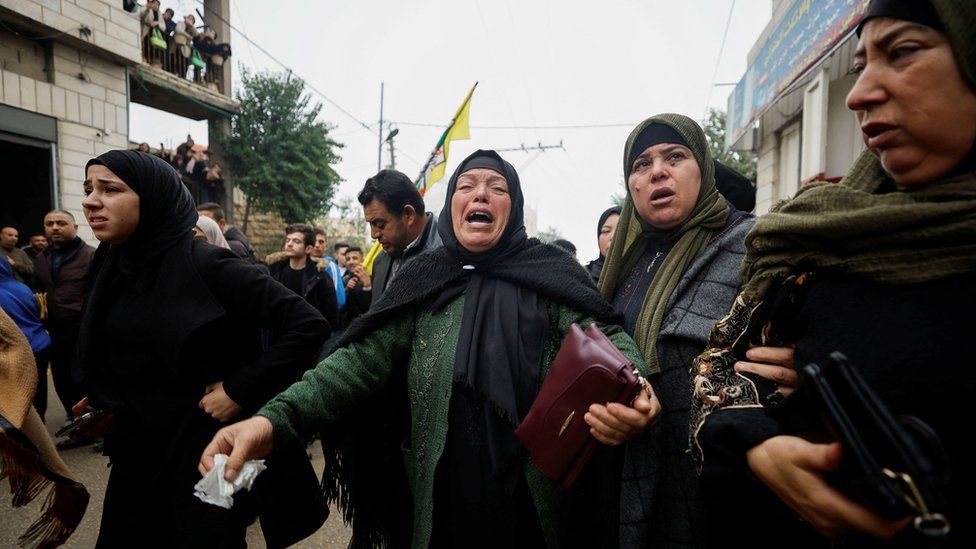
(166, 208)
(595, 267)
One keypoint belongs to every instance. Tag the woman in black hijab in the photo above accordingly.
(466, 332)
(170, 343)
(604, 236)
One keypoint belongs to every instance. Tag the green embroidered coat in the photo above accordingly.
(426, 342)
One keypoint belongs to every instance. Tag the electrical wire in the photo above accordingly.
(721, 48)
(363, 125)
(550, 127)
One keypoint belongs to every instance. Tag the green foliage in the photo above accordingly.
(743, 162)
(282, 156)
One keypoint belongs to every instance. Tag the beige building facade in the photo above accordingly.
(790, 106)
(68, 69)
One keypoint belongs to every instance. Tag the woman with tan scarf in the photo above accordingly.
(28, 458)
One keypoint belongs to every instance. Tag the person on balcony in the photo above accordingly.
(151, 20)
(183, 35)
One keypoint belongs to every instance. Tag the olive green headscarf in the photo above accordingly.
(633, 233)
(869, 227)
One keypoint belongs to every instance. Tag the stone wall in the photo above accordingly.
(266, 231)
(113, 30)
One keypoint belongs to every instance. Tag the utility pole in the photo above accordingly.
(389, 139)
(379, 154)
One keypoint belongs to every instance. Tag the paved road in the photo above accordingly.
(92, 470)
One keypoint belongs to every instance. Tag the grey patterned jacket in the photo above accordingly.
(661, 502)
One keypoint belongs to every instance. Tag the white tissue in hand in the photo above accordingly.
(214, 489)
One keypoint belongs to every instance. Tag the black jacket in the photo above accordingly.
(317, 289)
(383, 265)
(66, 292)
(239, 244)
(206, 309)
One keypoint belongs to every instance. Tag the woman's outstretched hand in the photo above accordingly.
(614, 424)
(794, 468)
(243, 441)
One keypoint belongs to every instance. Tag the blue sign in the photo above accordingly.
(809, 29)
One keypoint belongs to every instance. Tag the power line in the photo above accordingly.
(529, 148)
(551, 127)
(287, 68)
(315, 90)
(728, 22)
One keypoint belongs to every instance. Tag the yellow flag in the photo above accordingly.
(433, 170)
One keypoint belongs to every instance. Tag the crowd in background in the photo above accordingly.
(201, 175)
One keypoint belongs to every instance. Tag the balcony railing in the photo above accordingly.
(200, 63)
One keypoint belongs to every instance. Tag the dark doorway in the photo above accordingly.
(25, 187)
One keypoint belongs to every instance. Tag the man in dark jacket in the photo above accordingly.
(62, 273)
(297, 272)
(236, 239)
(394, 210)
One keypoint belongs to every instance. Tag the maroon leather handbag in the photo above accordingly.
(588, 369)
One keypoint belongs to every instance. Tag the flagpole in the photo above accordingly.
(441, 141)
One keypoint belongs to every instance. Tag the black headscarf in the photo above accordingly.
(916, 11)
(603, 219)
(595, 267)
(735, 187)
(166, 208)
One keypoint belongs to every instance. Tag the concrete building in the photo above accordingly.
(68, 72)
(790, 106)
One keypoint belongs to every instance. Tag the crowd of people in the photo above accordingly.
(414, 375)
(180, 47)
(202, 176)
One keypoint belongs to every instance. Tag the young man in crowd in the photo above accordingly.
(18, 259)
(62, 273)
(297, 272)
(38, 243)
(395, 212)
(358, 285)
(236, 239)
(329, 265)
(339, 254)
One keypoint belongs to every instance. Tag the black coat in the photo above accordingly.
(206, 310)
(317, 289)
(66, 293)
(239, 244)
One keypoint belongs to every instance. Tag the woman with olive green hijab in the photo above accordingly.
(880, 267)
(672, 270)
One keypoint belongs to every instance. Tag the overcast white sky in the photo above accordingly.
(539, 63)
